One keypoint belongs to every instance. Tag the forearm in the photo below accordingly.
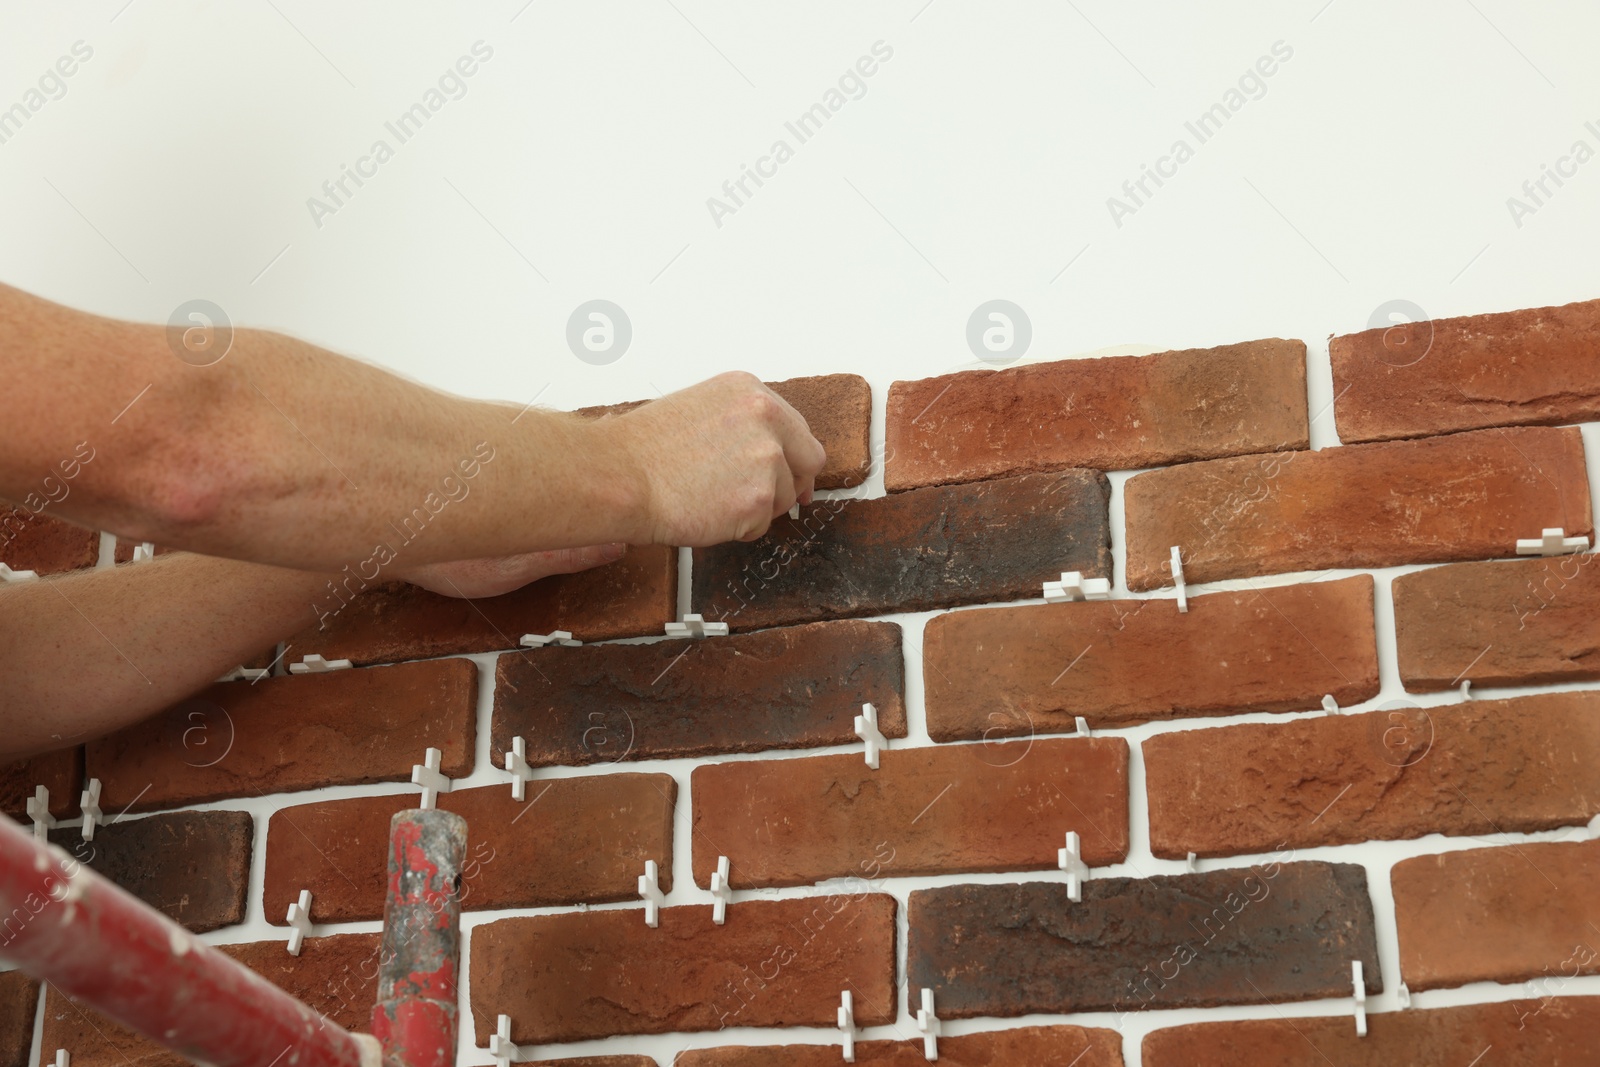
(89, 653)
(284, 453)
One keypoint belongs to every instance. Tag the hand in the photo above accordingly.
(722, 459)
(474, 578)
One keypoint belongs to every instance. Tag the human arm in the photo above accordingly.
(285, 454)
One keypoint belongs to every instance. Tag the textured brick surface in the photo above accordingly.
(634, 596)
(1506, 622)
(243, 739)
(925, 810)
(1270, 933)
(1531, 763)
(19, 1003)
(1541, 365)
(1115, 413)
(330, 974)
(1033, 669)
(793, 687)
(1465, 496)
(1553, 1032)
(30, 542)
(192, 866)
(1503, 914)
(571, 841)
(836, 407)
(926, 548)
(1025, 1046)
(579, 975)
(60, 771)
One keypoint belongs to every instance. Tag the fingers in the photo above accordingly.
(803, 451)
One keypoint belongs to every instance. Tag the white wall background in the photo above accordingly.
(1375, 166)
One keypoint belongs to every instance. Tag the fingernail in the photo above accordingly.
(612, 551)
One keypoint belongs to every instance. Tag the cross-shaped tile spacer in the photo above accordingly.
(721, 892)
(39, 812)
(315, 664)
(500, 1047)
(429, 777)
(696, 626)
(1070, 859)
(90, 803)
(867, 730)
(300, 918)
(1074, 586)
(517, 767)
(929, 1024)
(650, 891)
(1552, 542)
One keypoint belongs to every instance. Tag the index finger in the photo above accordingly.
(801, 449)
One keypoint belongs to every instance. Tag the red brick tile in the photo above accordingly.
(929, 810)
(1557, 1033)
(1513, 368)
(1465, 496)
(192, 866)
(42, 543)
(1266, 934)
(571, 841)
(277, 735)
(635, 596)
(926, 548)
(1000, 672)
(1026, 1045)
(19, 1003)
(1532, 763)
(1115, 413)
(577, 975)
(1505, 914)
(1507, 622)
(795, 687)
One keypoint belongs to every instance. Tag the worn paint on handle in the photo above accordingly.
(416, 1016)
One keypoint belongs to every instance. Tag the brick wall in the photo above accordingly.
(1245, 843)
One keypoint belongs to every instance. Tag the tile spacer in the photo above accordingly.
(1074, 586)
(1358, 981)
(1081, 726)
(1402, 996)
(317, 665)
(517, 767)
(847, 1023)
(1070, 859)
(1553, 542)
(554, 637)
(300, 918)
(90, 803)
(1330, 706)
(245, 674)
(9, 575)
(867, 730)
(39, 812)
(929, 1024)
(500, 1047)
(1177, 580)
(143, 551)
(63, 1058)
(430, 778)
(721, 892)
(1191, 863)
(696, 626)
(650, 891)
(1466, 689)
(794, 513)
